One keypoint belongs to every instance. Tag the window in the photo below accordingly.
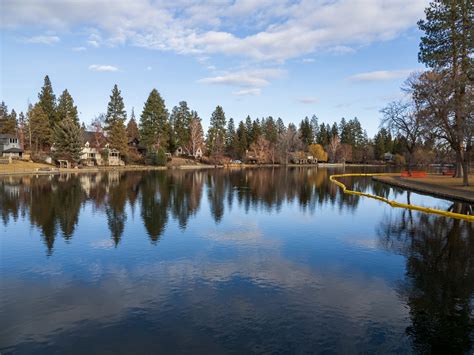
(13, 140)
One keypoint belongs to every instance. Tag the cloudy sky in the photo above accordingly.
(288, 59)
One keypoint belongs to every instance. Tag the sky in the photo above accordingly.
(288, 59)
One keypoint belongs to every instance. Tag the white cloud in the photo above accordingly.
(79, 49)
(308, 60)
(249, 79)
(149, 68)
(49, 40)
(381, 75)
(274, 30)
(340, 50)
(308, 100)
(102, 68)
(247, 92)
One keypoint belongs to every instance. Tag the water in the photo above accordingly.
(219, 261)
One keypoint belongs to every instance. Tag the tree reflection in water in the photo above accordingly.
(439, 282)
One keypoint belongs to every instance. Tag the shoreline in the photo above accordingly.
(55, 170)
(431, 189)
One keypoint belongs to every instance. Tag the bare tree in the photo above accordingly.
(196, 135)
(403, 119)
(333, 147)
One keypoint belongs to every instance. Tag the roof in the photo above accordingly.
(13, 150)
(91, 137)
(7, 136)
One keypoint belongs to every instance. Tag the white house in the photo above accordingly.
(10, 146)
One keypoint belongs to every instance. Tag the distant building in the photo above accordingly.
(388, 157)
(10, 146)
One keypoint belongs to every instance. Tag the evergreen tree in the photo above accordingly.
(256, 131)
(334, 130)
(117, 138)
(306, 132)
(67, 140)
(8, 123)
(344, 129)
(180, 118)
(66, 108)
(39, 127)
(270, 130)
(231, 137)
(242, 140)
(154, 127)
(314, 126)
(47, 101)
(115, 109)
(249, 129)
(281, 126)
(132, 127)
(115, 123)
(217, 132)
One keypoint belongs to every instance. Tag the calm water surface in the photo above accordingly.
(219, 261)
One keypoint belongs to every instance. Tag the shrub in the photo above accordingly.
(156, 157)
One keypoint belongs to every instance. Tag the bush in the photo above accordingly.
(156, 157)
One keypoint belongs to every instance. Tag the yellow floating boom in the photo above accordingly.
(395, 203)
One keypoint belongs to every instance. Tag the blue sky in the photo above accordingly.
(289, 59)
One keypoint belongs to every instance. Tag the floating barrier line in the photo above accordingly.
(392, 203)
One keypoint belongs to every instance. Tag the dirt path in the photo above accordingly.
(435, 185)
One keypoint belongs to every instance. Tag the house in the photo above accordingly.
(93, 152)
(10, 146)
(180, 151)
(198, 153)
(134, 145)
(388, 157)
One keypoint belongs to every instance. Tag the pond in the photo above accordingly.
(229, 261)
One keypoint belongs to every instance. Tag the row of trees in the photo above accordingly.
(55, 123)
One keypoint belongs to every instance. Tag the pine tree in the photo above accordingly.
(115, 109)
(281, 126)
(117, 138)
(67, 140)
(306, 132)
(242, 140)
(132, 127)
(180, 118)
(217, 132)
(447, 47)
(249, 128)
(270, 130)
(154, 127)
(39, 127)
(256, 131)
(115, 123)
(231, 136)
(314, 126)
(47, 101)
(66, 108)
(8, 124)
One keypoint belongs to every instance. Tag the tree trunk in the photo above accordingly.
(458, 166)
(465, 169)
